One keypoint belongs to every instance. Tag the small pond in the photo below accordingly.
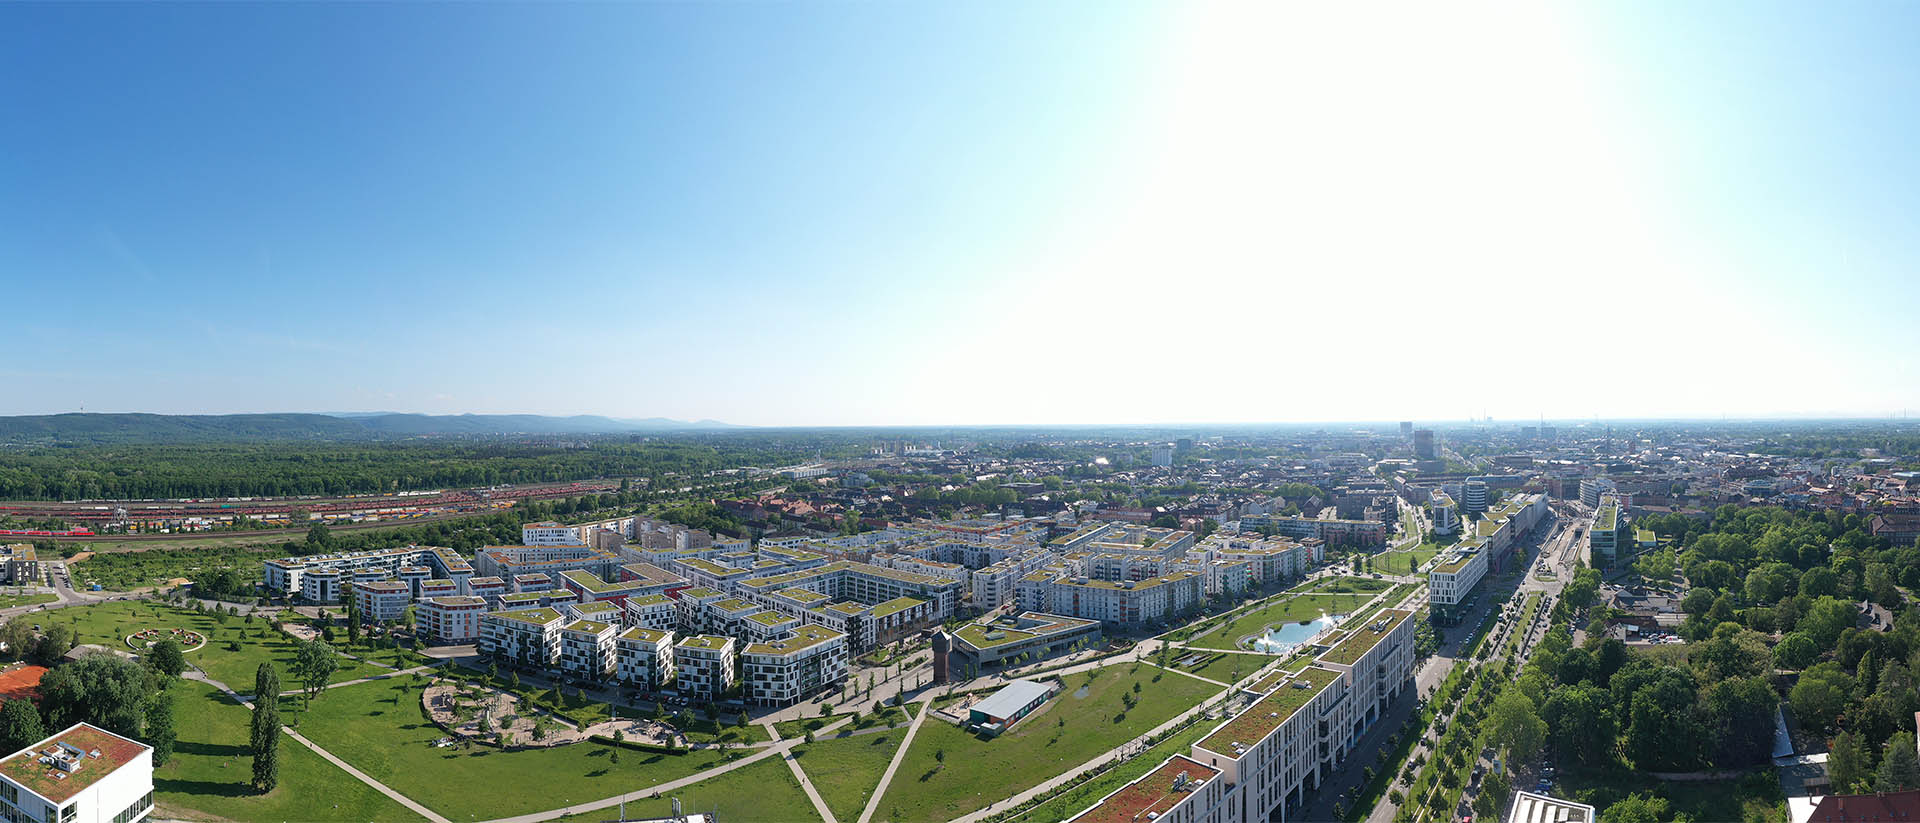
(1285, 638)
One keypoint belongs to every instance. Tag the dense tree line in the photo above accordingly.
(282, 469)
(1756, 574)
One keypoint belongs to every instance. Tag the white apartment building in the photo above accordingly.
(550, 533)
(643, 658)
(653, 611)
(1125, 603)
(1446, 516)
(382, 601)
(586, 649)
(526, 637)
(84, 774)
(785, 670)
(449, 620)
(703, 665)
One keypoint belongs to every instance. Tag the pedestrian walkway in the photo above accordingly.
(899, 754)
(800, 774)
(769, 750)
(1124, 750)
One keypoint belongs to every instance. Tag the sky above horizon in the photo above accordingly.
(846, 213)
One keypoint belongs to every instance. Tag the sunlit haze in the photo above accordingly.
(870, 214)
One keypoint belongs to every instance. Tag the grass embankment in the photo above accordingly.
(949, 772)
(1065, 804)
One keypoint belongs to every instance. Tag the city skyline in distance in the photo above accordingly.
(810, 215)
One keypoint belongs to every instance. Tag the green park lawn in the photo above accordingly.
(1072, 801)
(1221, 666)
(1345, 585)
(1288, 610)
(108, 624)
(799, 728)
(8, 601)
(761, 790)
(379, 728)
(846, 770)
(1068, 730)
(209, 775)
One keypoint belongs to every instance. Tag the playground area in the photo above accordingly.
(482, 714)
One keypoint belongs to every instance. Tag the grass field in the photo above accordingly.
(1078, 798)
(378, 728)
(799, 728)
(761, 790)
(1290, 610)
(846, 770)
(8, 601)
(108, 624)
(976, 772)
(1346, 585)
(209, 775)
(128, 570)
(1222, 666)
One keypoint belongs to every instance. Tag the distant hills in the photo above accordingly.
(170, 428)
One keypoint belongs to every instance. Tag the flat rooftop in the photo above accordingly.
(1260, 719)
(895, 606)
(92, 752)
(1153, 794)
(588, 626)
(802, 638)
(1361, 640)
(769, 618)
(537, 617)
(704, 641)
(643, 633)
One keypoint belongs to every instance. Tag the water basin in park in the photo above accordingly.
(1285, 638)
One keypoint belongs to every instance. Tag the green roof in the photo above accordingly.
(769, 618)
(588, 626)
(805, 637)
(895, 606)
(976, 634)
(803, 595)
(1259, 720)
(537, 617)
(644, 633)
(1606, 518)
(733, 604)
(704, 641)
(649, 600)
(700, 591)
(592, 582)
(1359, 641)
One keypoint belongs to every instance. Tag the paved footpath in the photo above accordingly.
(779, 748)
(899, 754)
(799, 774)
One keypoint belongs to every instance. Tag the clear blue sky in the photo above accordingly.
(866, 213)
